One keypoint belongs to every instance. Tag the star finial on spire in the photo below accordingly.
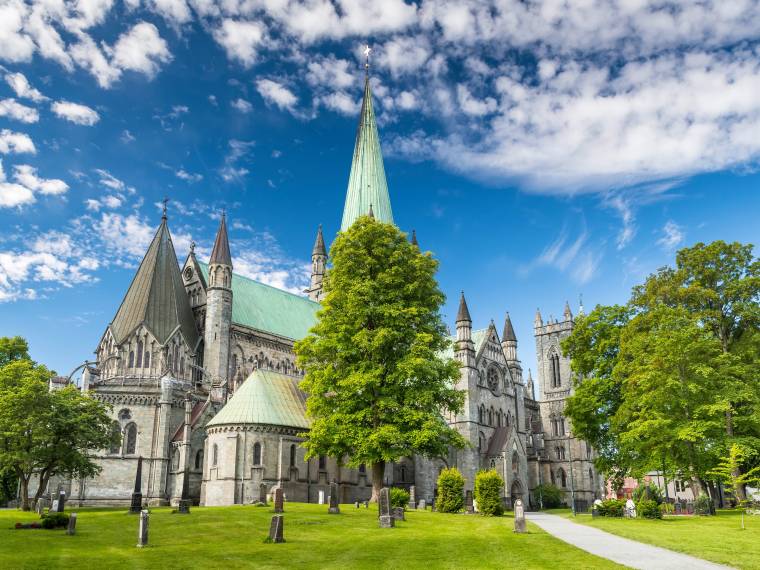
(165, 201)
(366, 52)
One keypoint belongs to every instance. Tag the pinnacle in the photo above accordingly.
(463, 314)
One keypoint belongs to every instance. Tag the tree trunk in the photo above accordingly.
(24, 483)
(378, 473)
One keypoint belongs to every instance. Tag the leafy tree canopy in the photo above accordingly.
(13, 348)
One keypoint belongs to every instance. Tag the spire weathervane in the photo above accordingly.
(165, 201)
(367, 51)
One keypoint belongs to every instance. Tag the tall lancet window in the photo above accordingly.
(146, 362)
(139, 354)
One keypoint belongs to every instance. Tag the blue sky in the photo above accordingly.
(541, 152)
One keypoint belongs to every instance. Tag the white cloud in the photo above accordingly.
(124, 235)
(230, 173)
(76, 113)
(109, 180)
(175, 12)
(242, 105)
(13, 195)
(11, 141)
(240, 39)
(274, 92)
(142, 49)
(14, 110)
(27, 176)
(575, 257)
(15, 45)
(88, 55)
(188, 176)
(20, 85)
(672, 236)
(127, 137)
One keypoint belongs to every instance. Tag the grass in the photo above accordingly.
(718, 539)
(233, 537)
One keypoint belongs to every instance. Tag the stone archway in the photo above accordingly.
(516, 493)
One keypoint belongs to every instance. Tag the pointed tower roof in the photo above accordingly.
(414, 238)
(156, 297)
(366, 183)
(509, 331)
(319, 244)
(463, 314)
(221, 252)
(538, 321)
(568, 313)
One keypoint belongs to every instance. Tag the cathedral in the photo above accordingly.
(198, 366)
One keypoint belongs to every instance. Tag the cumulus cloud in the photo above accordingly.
(76, 113)
(23, 89)
(672, 236)
(13, 142)
(242, 105)
(14, 110)
(27, 176)
(188, 176)
(240, 39)
(276, 93)
(141, 49)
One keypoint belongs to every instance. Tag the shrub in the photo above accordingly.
(648, 492)
(450, 491)
(612, 508)
(488, 487)
(55, 520)
(399, 497)
(550, 496)
(667, 508)
(703, 505)
(649, 509)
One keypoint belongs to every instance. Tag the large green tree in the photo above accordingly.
(44, 433)
(377, 387)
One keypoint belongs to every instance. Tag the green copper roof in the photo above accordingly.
(478, 338)
(269, 309)
(266, 397)
(156, 296)
(366, 184)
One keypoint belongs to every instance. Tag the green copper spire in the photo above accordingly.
(366, 185)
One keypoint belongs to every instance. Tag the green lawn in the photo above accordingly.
(233, 537)
(719, 538)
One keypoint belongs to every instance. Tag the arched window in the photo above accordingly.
(169, 358)
(588, 451)
(214, 455)
(293, 455)
(233, 365)
(176, 355)
(362, 468)
(590, 475)
(146, 361)
(482, 442)
(116, 433)
(493, 379)
(562, 477)
(555, 370)
(554, 480)
(139, 353)
(182, 367)
(490, 417)
(131, 359)
(199, 459)
(515, 461)
(481, 411)
(322, 462)
(131, 439)
(257, 453)
(403, 473)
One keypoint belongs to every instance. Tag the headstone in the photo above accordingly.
(135, 506)
(278, 500)
(384, 509)
(142, 532)
(468, 506)
(263, 493)
(356, 504)
(40, 507)
(334, 509)
(432, 504)
(184, 502)
(72, 528)
(54, 507)
(630, 509)
(276, 529)
(422, 505)
(412, 497)
(61, 501)
(398, 513)
(595, 509)
(519, 517)
(366, 504)
(321, 497)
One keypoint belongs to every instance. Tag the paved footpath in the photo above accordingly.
(621, 550)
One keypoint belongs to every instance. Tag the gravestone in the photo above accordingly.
(276, 529)
(184, 502)
(278, 500)
(54, 506)
(398, 513)
(422, 505)
(136, 505)
(334, 509)
(630, 509)
(366, 504)
(321, 497)
(384, 509)
(412, 497)
(519, 517)
(595, 509)
(61, 501)
(356, 504)
(40, 508)
(142, 531)
(72, 528)
(263, 493)
(468, 506)
(432, 504)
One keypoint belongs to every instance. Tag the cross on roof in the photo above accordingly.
(165, 201)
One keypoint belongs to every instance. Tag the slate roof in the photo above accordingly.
(266, 308)
(509, 331)
(221, 252)
(268, 398)
(478, 338)
(463, 314)
(366, 184)
(156, 297)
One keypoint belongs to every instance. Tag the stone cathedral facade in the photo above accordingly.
(198, 365)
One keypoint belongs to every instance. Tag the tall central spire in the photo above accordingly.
(366, 184)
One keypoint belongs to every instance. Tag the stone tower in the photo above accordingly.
(509, 345)
(570, 466)
(318, 265)
(218, 308)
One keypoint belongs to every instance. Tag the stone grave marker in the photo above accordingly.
(276, 529)
(40, 507)
(519, 517)
(185, 501)
(384, 509)
(278, 501)
(321, 497)
(469, 508)
(54, 506)
(136, 505)
(595, 509)
(630, 509)
(412, 497)
(142, 531)
(263, 493)
(422, 505)
(356, 504)
(398, 513)
(72, 528)
(334, 509)
(366, 504)
(61, 501)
